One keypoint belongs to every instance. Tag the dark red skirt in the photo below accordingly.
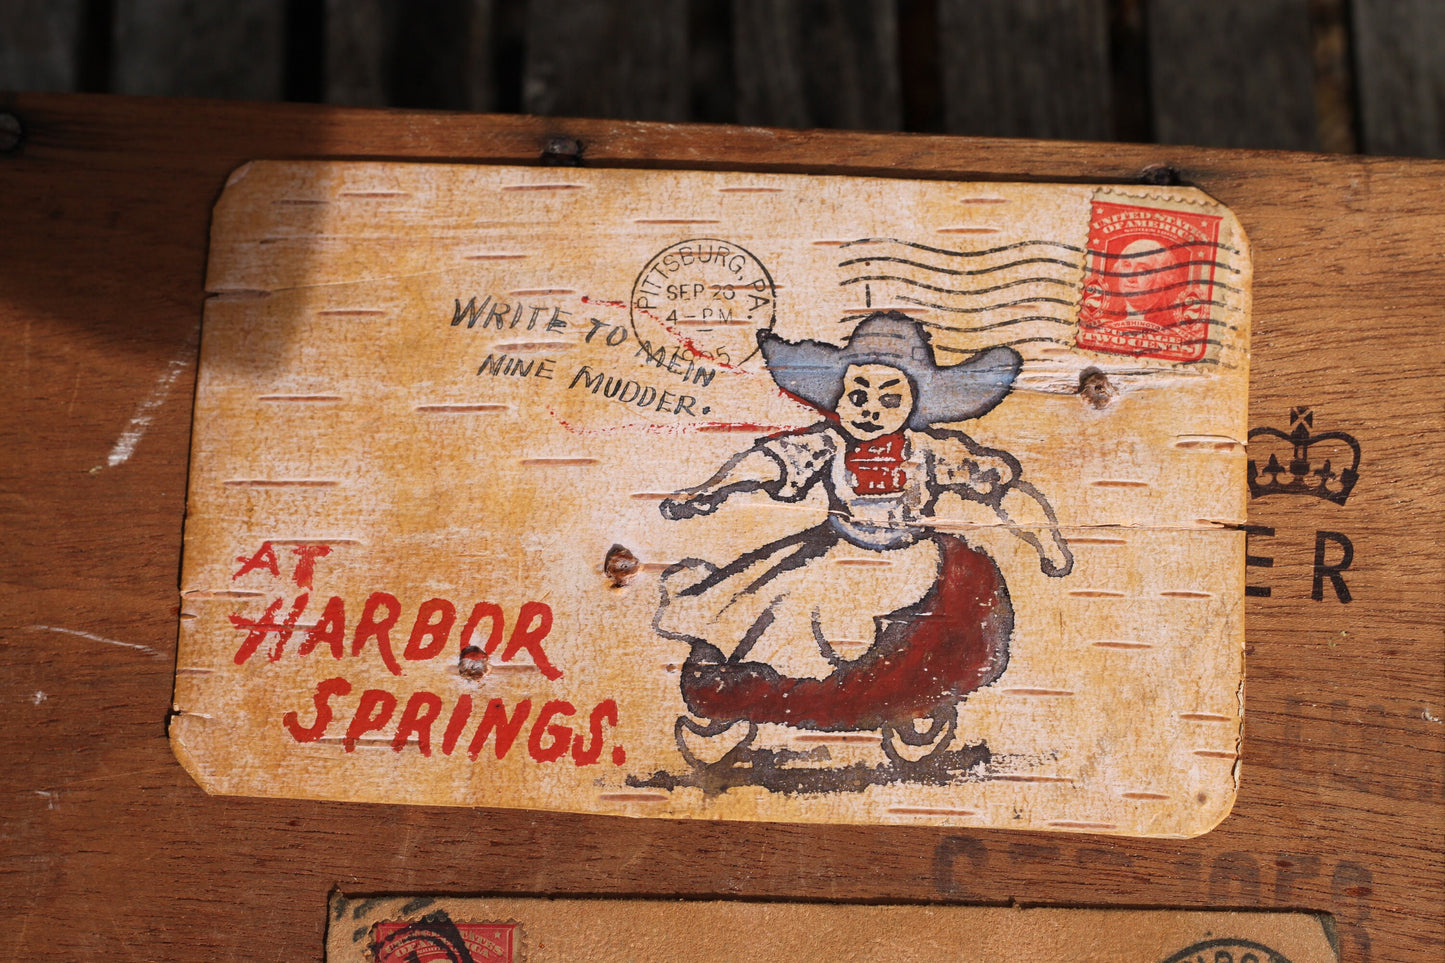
(932, 653)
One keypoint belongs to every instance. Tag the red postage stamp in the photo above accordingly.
(1150, 282)
(436, 939)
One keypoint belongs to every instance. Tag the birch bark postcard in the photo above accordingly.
(445, 929)
(719, 495)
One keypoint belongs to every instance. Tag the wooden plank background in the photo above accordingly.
(1332, 75)
(109, 851)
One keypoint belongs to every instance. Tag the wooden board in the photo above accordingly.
(173, 47)
(392, 929)
(816, 63)
(885, 560)
(41, 46)
(383, 53)
(1232, 73)
(111, 848)
(1002, 60)
(1400, 80)
(1268, 73)
(623, 59)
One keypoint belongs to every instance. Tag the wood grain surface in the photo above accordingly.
(41, 46)
(1261, 46)
(1320, 74)
(817, 63)
(173, 47)
(1003, 64)
(386, 53)
(606, 60)
(110, 850)
(1401, 75)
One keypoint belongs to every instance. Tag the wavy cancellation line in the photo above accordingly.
(976, 328)
(1071, 265)
(959, 329)
(985, 252)
(1017, 283)
(1069, 342)
(1191, 302)
(996, 306)
(1020, 282)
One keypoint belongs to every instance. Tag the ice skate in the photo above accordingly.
(705, 742)
(911, 741)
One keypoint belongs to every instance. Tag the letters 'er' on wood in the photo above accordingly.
(738, 496)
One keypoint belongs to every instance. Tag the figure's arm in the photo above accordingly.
(1027, 513)
(971, 471)
(785, 467)
(994, 477)
(984, 475)
(747, 471)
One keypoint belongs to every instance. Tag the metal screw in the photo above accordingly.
(562, 151)
(474, 663)
(1160, 175)
(11, 133)
(1095, 387)
(620, 565)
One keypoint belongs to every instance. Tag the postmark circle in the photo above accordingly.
(711, 295)
(1227, 951)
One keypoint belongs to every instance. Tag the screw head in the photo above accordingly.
(562, 151)
(1095, 388)
(12, 132)
(1160, 175)
(620, 565)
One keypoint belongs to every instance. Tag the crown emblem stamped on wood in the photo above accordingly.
(1316, 465)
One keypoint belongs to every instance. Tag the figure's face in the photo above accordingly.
(1145, 279)
(876, 401)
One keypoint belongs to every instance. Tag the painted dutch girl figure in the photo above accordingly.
(915, 619)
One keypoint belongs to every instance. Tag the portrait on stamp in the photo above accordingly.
(1151, 282)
